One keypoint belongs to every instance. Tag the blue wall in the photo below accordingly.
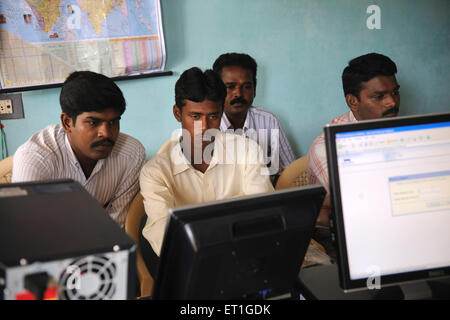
(301, 47)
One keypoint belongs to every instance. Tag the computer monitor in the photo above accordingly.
(249, 247)
(390, 193)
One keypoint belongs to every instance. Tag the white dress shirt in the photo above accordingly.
(265, 128)
(47, 155)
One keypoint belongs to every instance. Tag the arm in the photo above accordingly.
(325, 211)
(318, 173)
(30, 166)
(317, 162)
(158, 198)
(286, 153)
(127, 189)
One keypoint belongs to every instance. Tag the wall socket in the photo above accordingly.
(6, 106)
(11, 106)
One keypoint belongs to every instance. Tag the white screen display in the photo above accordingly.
(395, 193)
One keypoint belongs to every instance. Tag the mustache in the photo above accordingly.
(238, 100)
(103, 142)
(391, 110)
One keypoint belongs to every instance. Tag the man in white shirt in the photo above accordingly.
(202, 165)
(87, 146)
(238, 72)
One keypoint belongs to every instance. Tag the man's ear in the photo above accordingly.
(177, 112)
(353, 104)
(66, 122)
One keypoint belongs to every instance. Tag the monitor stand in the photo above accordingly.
(322, 282)
(421, 290)
(408, 291)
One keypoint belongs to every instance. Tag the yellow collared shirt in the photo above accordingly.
(236, 168)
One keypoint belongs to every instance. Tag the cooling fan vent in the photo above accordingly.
(88, 278)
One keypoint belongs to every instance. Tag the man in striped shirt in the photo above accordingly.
(87, 146)
(238, 72)
(371, 92)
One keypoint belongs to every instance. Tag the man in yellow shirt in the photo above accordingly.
(202, 164)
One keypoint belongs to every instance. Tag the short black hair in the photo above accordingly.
(242, 60)
(197, 86)
(87, 91)
(364, 68)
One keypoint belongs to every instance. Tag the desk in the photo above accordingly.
(322, 283)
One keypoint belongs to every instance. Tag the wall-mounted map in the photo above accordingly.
(42, 41)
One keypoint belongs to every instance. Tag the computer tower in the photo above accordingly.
(57, 242)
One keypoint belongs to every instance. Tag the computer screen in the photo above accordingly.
(244, 248)
(390, 191)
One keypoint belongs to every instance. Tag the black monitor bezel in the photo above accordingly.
(337, 219)
(193, 213)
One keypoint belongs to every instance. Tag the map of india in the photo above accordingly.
(46, 12)
(42, 41)
(98, 10)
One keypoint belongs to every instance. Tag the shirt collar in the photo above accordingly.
(73, 158)
(181, 163)
(226, 124)
(351, 117)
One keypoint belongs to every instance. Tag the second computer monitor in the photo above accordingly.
(245, 248)
(390, 190)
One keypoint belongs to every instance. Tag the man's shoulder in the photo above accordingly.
(237, 138)
(128, 146)
(263, 113)
(129, 141)
(319, 141)
(318, 145)
(164, 158)
(344, 118)
(157, 162)
(235, 143)
(45, 142)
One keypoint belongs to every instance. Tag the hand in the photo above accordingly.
(323, 219)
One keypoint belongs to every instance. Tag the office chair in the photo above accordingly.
(132, 224)
(135, 214)
(166, 144)
(6, 169)
(294, 175)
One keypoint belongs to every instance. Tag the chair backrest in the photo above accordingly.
(294, 175)
(132, 224)
(6, 169)
(166, 144)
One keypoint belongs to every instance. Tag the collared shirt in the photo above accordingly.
(317, 156)
(264, 127)
(47, 155)
(168, 180)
